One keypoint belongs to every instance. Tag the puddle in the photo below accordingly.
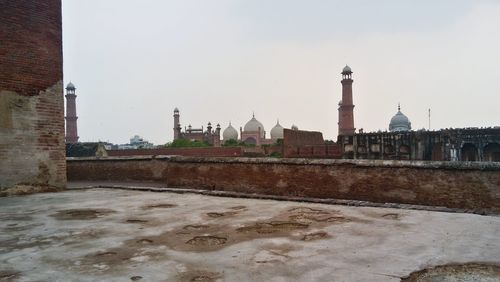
(220, 214)
(78, 214)
(273, 227)
(159, 206)
(207, 241)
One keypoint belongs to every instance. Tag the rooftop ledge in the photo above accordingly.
(490, 166)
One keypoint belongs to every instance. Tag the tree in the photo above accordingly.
(186, 143)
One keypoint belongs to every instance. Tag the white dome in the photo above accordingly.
(277, 131)
(253, 126)
(399, 122)
(230, 133)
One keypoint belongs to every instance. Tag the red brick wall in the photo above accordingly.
(302, 137)
(308, 144)
(453, 185)
(332, 151)
(31, 45)
(31, 98)
(200, 152)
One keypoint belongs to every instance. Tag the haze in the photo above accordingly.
(133, 62)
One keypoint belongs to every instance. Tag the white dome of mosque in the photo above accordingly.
(277, 131)
(230, 133)
(253, 125)
(399, 122)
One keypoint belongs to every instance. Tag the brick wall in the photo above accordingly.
(32, 156)
(449, 184)
(308, 144)
(199, 152)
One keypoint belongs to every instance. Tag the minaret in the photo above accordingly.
(176, 124)
(346, 115)
(71, 129)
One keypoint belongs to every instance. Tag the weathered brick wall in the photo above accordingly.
(330, 151)
(302, 137)
(454, 185)
(199, 152)
(32, 155)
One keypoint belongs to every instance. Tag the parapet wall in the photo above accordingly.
(474, 186)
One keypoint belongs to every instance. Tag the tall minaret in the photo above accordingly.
(176, 124)
(346, 115)
(71, 129)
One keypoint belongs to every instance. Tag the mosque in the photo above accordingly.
(253, 133)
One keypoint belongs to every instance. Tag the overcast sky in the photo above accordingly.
(133, 62)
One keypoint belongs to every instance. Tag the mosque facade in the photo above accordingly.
(209, 135)
(403, 143)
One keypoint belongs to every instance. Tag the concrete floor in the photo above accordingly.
(119, 235)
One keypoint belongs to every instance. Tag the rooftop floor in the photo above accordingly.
(122, 235)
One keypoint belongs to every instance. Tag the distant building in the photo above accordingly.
(401, 143)
(209, 136)
(253, 133)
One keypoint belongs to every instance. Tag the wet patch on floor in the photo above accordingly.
(82, 214)
(195, 227)
(293, 223)
(159, 206)
(238, 208)
(272, 227)
(456, 272)
(116, 258)
(393, 216)
(136, 220)
(9, 275)
(315, 236)
(207, 240)
(220, 214)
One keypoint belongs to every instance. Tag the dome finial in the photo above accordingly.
(253, 114)
(399, 106)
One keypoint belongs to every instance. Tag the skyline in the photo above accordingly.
(220, 62)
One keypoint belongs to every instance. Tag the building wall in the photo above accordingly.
(308, 144)
(473, 186)
(32, 152)
(200, 152)
(463, 144)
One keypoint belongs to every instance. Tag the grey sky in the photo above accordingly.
(134, 61)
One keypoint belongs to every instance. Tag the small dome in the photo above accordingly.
(277, 131)
(230, 133)
(70, 86)
(346, 69)
(253, 126)
(176, 110)
(399, 122)
(294, 127)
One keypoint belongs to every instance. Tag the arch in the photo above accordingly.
(491, 152)
(404, 149)
(469, 152)
(389, 149)
(437, 152)
(250, 141)
(362, 149)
